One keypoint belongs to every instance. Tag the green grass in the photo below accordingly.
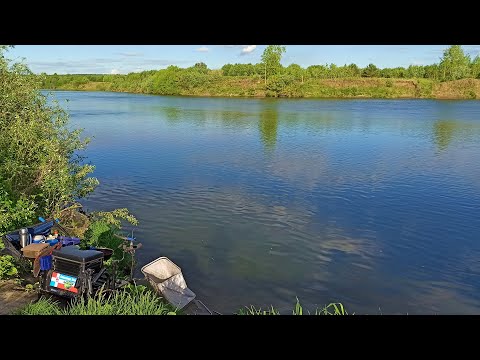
(330, 309)
(121, 303)
(43, 306)
(251, 310)
(135, 300)
(212, 84)
(139, 300)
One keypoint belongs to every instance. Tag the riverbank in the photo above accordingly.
(254, 87)
(13, 297)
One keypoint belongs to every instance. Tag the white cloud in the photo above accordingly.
(203, 49)
(247, 49)
(128, 54)
(114, 71)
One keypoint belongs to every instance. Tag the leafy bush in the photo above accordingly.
(96, 233)
(423, 88)
(276, 84)
(14, 213)
(41, 169)
(189, 79)
(8, 267)
(114, 217)
(102, 234)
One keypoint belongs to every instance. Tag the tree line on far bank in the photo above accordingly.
(275, 77)
(454, 65)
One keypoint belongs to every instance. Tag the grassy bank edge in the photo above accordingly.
(347, 88)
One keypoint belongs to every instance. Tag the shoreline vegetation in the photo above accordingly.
(140, 300)
(456, 76)
(347, 88)
(43, 173)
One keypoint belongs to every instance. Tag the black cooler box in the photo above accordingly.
(73, 271)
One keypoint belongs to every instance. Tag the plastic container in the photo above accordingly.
(37, 239)
(67, 241)
(52, 242)
(46, 262)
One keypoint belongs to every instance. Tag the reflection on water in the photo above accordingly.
(443, 133)
(446, 131)
(268, 126)
(371, 203)
(172, 114)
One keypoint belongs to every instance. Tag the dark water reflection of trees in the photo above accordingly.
(268, 118)
(268, 128)
(446, 131)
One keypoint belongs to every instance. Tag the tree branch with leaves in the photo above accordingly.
(271, 57)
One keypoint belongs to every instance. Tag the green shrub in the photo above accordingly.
(97, 232)
(8, 267)
(14, 213)
(470, 94)
(423, 88)
(41, 167)
(102, 234)
(276, 84)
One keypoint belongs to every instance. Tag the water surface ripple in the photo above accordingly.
(373, 203)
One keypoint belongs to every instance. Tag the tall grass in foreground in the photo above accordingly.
(43, 306)
(121, 303)
(139, 300)
(330, 309)
(130, 301)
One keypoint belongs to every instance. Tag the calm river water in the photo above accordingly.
(372, 203)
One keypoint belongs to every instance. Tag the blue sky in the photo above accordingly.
(106, 59)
